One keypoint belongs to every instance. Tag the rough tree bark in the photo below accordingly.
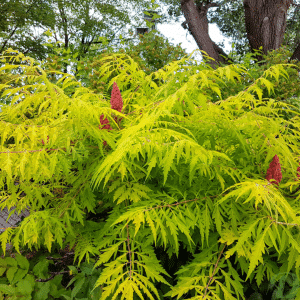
(196, 18)
(265, 22)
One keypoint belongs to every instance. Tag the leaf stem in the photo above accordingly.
(211, 278)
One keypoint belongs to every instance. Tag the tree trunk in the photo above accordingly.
(265, 23)
(296, 54)
(196, 18)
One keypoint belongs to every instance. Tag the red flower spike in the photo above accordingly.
(103, 122)
(298, 172)
(274, 171)
(107, 126)
(116, 101)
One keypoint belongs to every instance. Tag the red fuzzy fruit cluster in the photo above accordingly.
(116, 103)
(274, 171)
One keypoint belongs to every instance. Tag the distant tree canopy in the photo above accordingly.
(27, 25)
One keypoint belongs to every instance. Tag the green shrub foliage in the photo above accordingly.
(170, 198)
(151, 54)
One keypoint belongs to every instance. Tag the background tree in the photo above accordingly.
(21, 22)
(74, 24)
(71, 23)
(232, 17)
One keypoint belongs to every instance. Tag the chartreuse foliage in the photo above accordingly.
(185, 170)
